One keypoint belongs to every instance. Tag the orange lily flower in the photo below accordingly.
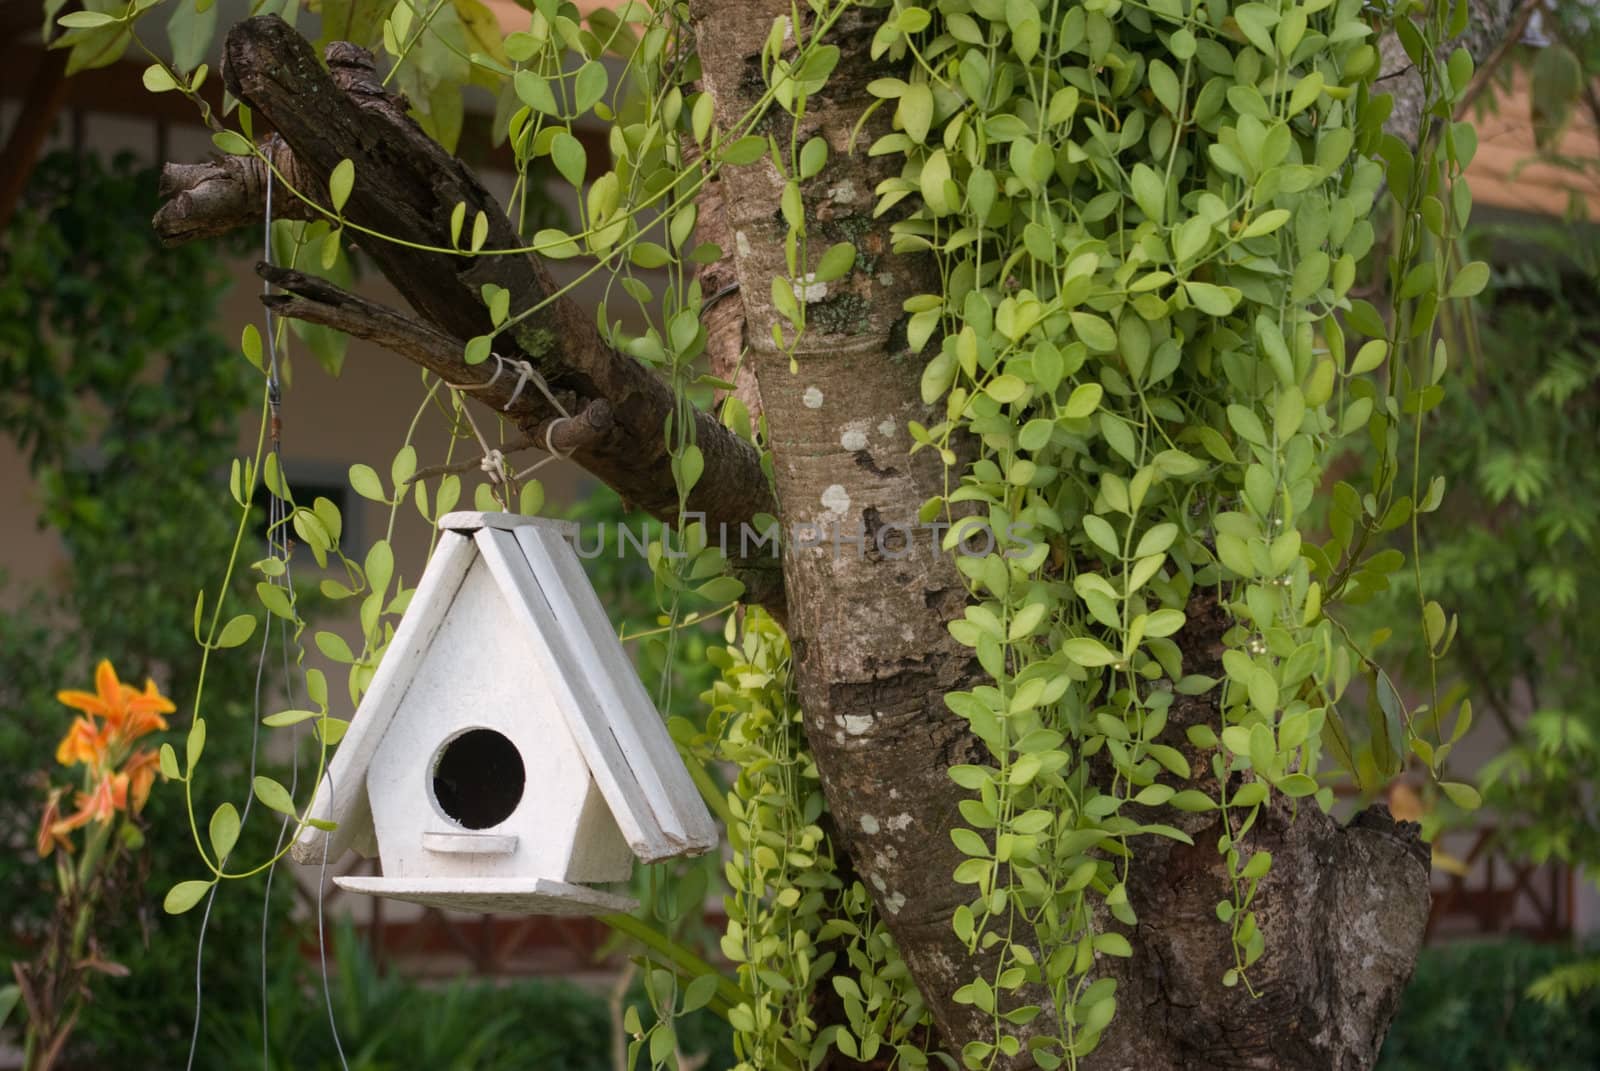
(141, 769)
(100, 805)
(83, 743)
(128, 714)
(113, 716)
(144, 710)
(105, 701)
(49, 837)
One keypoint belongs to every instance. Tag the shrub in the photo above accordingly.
(1468, 1009)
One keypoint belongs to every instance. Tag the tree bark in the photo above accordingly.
(867, 600)
(408, 187)
(1343, 911)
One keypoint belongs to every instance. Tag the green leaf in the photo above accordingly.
(570, 158)
(1087, 652)
(1247, 424)
(275, 796)
(230, 141)
(276, 600)
(590, 85)
(1113, 944)
(195, 744)
(836, 262)
(1462, 795)
(157, 80)
(1470, 280)
(364, 479)
(340, 184)
(184, 895)
(169, 763)
(403, 466)
(747, 150)
(1149, 192)
(688, 466)
(85, 20)
(1212, 300)
(535, 92)
(1084, 401)
(1006, 388)
(916, 111)
(698, 993)
(1297, 785)
(934, 179)
(334, 646)
(1163, 623)
(701, 116)
(237, 631)
(1096, 333)
(289, 717)
(813, 156)
(224, 831)
(250, 346)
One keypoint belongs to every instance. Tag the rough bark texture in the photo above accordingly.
(1398, 76)
(867, 603)
(1343, 911)
(866, 618)
(407, 186)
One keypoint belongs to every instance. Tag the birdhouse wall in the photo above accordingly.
(479, 673)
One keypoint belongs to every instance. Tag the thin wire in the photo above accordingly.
(322, 940)
(199, 962)
(278, 517)
(279, 550)
(274, 514)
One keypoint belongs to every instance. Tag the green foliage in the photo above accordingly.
(1467, 1008)
(795, 930)
(1517, 442)
(388, 1023)
(113, 383)
(1147, 222)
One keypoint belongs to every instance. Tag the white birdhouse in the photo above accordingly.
(506, 757)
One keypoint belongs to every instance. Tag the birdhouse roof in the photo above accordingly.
(576, 656)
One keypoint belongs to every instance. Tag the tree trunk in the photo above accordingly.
(867, 598)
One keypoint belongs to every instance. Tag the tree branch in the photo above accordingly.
(406, 190)
(588, 437)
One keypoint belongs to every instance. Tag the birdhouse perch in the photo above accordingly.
(506, 756)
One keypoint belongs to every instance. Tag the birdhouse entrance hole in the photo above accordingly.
(478, 778)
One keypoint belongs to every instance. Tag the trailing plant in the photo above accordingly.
(1148, 221)
(791, 914)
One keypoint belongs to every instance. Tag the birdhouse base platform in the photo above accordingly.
(497, 896)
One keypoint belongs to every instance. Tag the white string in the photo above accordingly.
(493, 463)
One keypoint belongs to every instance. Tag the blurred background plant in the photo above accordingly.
(125, 401)
(1468, 1008)
(118, 772)
(1516, 550)
(388, 1022)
